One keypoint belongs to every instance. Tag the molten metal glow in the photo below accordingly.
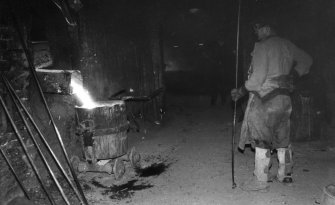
(82, 94)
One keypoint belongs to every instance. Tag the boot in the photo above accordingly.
(259, 182)
(285, 165)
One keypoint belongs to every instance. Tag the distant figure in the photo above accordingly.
(217, 63)
(266, 123)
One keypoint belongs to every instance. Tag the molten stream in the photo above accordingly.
(82, 95)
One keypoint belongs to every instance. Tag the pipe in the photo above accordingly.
(46, 144)
(117, 94)
(31, 66)
(63, 7)
(19, 137)
(140, 98)
(15, 175)
(235, 102)
(44, 160)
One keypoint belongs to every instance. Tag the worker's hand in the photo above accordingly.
(236, 94)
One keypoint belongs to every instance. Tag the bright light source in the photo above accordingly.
(200, 44)
(175, 46)
(82, 94)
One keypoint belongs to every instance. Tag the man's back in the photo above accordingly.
(273, 58)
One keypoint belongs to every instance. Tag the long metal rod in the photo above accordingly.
(63, 7)
(44, 160)
(235, 102)
(19, 137)
(46, 144)
(15, 175)
(31, 66)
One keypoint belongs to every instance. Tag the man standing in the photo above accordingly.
(266, 123)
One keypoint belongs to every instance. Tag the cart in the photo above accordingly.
(103, 132)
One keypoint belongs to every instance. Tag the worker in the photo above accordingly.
(266, 123)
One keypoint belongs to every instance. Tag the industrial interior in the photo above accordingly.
(129, 102)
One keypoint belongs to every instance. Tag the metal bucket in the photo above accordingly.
(108, 126)
(328, 195)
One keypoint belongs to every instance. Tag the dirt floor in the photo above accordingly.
(187, 160)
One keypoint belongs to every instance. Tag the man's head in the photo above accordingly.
(264, 28)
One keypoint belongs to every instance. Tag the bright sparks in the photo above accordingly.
(79, 91)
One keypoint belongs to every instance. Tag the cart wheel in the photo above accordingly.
(118, 169)
(134, 158)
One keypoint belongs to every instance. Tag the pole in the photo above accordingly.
(46, 144)
(20, 139)
(31, 66)
(15, 175)
(235, 102)
(44, 160)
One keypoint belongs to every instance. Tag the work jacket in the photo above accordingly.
(272, 61)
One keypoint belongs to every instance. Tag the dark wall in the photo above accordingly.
(117, 50)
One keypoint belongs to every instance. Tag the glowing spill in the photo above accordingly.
(82, 94)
